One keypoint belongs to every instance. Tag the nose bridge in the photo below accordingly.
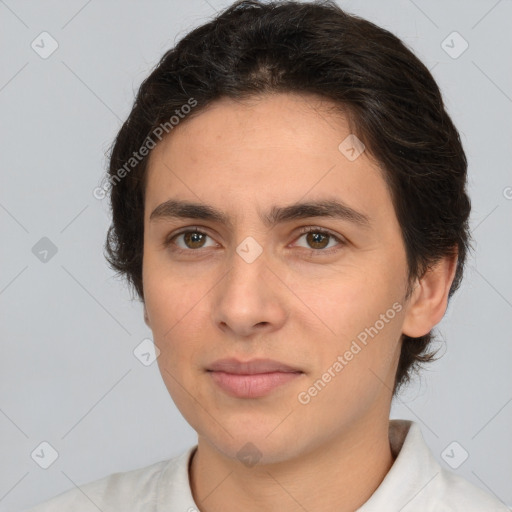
(244, 299)
(245, 277)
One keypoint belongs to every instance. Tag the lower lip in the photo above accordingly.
(252, 386)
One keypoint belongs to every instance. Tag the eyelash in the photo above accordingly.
(303, 231)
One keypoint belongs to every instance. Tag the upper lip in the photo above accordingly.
(251, 367)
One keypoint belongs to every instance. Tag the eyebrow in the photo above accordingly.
(329, 208)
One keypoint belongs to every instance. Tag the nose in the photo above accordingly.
(249, 300)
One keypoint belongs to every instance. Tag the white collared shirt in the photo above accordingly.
(415, 483)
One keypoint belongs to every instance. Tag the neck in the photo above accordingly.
(339, 475)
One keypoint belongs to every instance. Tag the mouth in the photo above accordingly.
(251, 379)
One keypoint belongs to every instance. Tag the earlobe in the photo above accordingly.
(429, 300)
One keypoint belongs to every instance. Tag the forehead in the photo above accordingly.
(276, 149)
(287, 121)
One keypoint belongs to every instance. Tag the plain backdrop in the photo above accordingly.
(68, 373)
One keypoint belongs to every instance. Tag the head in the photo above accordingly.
(264, 107)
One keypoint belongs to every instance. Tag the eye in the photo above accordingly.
(318, 239)
(192, 239)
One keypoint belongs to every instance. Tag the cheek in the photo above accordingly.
(361, 317)
(175, 303)
(345, 303)
(170, 291)
(358, 367)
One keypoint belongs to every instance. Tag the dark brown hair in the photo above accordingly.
(390, 98)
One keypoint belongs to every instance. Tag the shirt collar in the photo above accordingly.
(413, 471)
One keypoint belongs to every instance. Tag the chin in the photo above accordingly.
(253, 450)
(254, 442)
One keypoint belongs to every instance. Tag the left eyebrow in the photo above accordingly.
(329, 208)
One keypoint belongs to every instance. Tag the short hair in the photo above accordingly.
(389, 97)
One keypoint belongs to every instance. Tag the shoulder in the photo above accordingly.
(131, 490)
(454, 493)
(417, 482)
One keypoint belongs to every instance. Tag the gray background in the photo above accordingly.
(68, 374)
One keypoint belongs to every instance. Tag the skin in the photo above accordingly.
(293, 304)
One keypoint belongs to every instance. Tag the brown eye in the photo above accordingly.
(320, 241)
(317, 240)
(188, 241)
(194, 239)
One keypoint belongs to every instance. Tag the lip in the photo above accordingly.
(251, 367)
(251, 379)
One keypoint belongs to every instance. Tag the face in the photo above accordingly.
(325, 306)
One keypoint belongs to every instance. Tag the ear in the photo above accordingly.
(146, 318)
(429, 300)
